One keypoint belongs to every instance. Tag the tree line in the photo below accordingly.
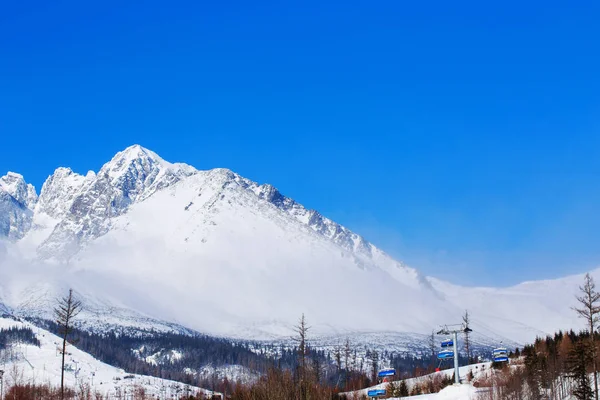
(556, 367)
(13, 335)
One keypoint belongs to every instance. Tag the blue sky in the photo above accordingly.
(458, 137)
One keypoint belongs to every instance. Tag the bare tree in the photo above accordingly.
(301, 332)
(466, 321)
(65, 312)
(589, 310)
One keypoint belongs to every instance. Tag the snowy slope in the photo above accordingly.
(244, 264)
(463, 391)
(144, 241)
(454, 392)
(520, 312)
(41, 365)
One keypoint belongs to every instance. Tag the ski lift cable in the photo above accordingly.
(488, 337)
(498, 356)
(484, 327)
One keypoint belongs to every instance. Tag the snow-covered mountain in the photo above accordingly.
(212, 251)
(17, 200)
(79, 208)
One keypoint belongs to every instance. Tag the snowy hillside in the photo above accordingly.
(26, 363)
(458, 392)
(144, 241)
(464, 391)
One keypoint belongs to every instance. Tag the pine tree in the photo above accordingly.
(403, 389)
(347, 351)
(337, 355)
(374, 364)
(317, 366)
(65, 312)
(577, 369)
(590, 310)
(392, 389)
(302, 350)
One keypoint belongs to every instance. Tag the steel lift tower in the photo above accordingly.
(454, 330)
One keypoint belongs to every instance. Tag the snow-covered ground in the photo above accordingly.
(26, 363)
(454, 392)
(478, 371)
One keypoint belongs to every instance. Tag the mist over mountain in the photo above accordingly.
(152, 244)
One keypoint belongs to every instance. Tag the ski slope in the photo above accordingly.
(454, 392)
(479, 370)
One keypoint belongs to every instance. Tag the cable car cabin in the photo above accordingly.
(445, 354)
(386, 372)
(376, 393)
(500, 354)
(447, 343)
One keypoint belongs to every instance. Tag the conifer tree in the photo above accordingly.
(337, 355)
(391, 389)
(589, 309)
(577, 368)
(347, 351)
(374, 364)
(301, 332)
(403, 389)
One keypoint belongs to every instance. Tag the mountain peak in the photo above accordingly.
(14, 184)
(59, 191)
(11, 179)
(17, 198)
(141, 165)
(134, 154)
(135, 150)
(62, 171)
(13, 175)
